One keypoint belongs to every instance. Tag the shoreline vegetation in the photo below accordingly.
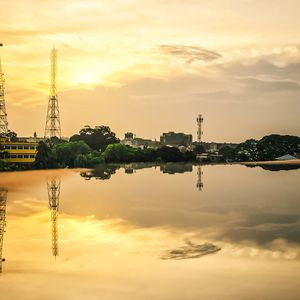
(99, 145)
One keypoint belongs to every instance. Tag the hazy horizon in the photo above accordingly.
(152, 66)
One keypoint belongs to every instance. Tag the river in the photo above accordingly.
(174, 231)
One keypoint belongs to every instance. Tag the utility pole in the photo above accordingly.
(52, 128)
(53, 187)
(3, 114)
(3, 197)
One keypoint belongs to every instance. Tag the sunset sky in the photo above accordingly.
(150, 66)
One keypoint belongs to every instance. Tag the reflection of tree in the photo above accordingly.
(3, 197)
(53, 187)
(102, 172)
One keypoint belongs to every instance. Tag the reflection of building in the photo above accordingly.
(18, 152)
(53, 187)
(173, 168)
(176, 139)
(199, 179)
(3, 196)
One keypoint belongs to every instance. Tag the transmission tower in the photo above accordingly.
(199, 179)
(3, 197)
(53, 186)
(199, 132)
(52, 128)
(3, 114)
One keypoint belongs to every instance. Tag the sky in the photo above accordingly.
(151, 66)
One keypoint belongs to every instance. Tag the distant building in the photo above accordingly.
(176, 139)
(19, 151)
(131, 140)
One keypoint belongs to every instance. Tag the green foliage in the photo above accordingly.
(69, 152)
(119, 153)
(227, 152)
(97, 138)
(268, 148)
(45, 157)
(171, 154)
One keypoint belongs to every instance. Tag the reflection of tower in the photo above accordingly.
(199, 132)
(52, 128)
(3, 114)
(53, 186)
(3, 195)
(199, 181)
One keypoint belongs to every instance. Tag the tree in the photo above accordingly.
(171, 154)
(97, 138)
(12, 136)
(119, 153)
(45, 158)
(67, 152)
(227, 152)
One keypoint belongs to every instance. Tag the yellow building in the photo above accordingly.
(18, 152)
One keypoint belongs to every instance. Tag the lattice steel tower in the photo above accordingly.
(3, 114)
(199, 132)
(52, 128)
(53, 186)
(3, 196)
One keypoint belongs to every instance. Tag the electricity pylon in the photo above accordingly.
(3, 197)
(199, 179)
(53, 186)
(3, 114)
(52, 128)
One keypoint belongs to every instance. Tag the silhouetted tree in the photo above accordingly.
(97, 138)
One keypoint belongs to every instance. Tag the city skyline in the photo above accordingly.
(241, 73)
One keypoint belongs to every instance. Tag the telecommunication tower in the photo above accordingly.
(199, 178)
(3, 114)
(3, 197)
(53, 187)
(199, 132)
(52, 128)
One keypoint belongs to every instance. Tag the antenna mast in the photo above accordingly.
(52, 128)
(3, 114)
(199, 132)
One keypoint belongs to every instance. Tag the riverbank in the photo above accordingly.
(294, 162)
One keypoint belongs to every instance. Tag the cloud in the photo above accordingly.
(189, 54)
(191, 250)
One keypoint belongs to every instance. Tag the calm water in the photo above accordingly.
(151, 233)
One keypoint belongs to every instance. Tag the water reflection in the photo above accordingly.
(152, 223)
(104, 172)
(3, 198)
(53, 188)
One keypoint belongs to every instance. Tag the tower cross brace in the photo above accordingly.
(3, 114)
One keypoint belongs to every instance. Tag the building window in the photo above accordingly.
(13, 147)
(32, 147)
(13, 156)
(6, 147)
(19, 156)
(26, 156)
(26, 147)
(20, 147)
(31, 156)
